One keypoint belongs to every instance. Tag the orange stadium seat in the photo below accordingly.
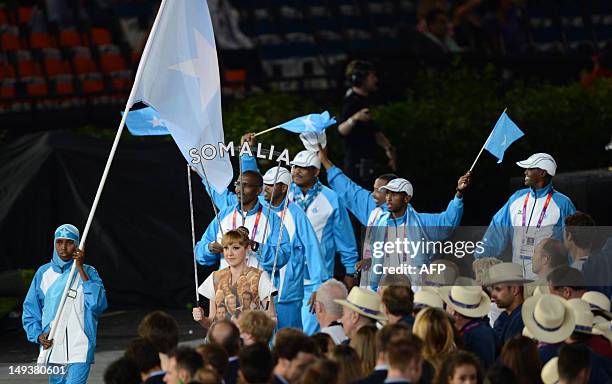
(100, 36)
(10, 41)
(69, 38)
(7, 89)
(24, 14)
(64, 85)
(111, 62)
(40, 40)
(55, 66)
(37, 87)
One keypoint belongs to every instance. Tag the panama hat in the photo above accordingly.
(600, 304)
(548, 318)
(540, 160)
(550, 371)
(364, 302)
(583, 315)
(506, 273)
(427, 298)
(526, 333)
(470, 300)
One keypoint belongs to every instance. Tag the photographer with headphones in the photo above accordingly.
(359, 132)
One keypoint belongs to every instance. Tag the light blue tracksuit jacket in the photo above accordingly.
(507, 224)
(75, 339)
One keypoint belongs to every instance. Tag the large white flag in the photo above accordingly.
(178, 76)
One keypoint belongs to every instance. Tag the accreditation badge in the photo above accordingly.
(527, 247)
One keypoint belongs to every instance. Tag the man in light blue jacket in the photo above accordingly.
(264, 228)
(402, 222)
(530, 215)
(75, 339)
(305, 262)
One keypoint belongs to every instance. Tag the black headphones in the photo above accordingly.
(359, 70)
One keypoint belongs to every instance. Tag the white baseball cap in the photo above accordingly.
(398, 185)
(540, 160)
(307, 159)
(284, 176)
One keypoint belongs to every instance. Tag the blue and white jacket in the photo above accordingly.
(75, 338)
(357, 200)
(306, 264)
(266, 235)
(417, 228)
(331, 224)
(507, 224)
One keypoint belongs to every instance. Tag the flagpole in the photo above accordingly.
(483, 146)
(266, 130)
(263, 238)
(280, 237)
(46, 353)
(195, 263)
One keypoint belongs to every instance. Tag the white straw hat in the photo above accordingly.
(600, 304)
(364, 302)
(548, 318)
(583, 315)
(550, 371)
(426, 298)
(470, 301)
(506, 273)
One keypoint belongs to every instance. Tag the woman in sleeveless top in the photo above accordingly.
(237, 288)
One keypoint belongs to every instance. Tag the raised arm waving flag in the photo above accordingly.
(178, 76)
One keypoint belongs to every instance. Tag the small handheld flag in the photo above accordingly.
(315, 122)
(146, 122)
(504, 134)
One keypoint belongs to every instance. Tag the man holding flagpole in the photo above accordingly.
(75, 340)
(306, 262)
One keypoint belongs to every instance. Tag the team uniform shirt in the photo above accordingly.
(329, 220)
(479, 338)
(415, 227)
(528, 217)
(75, 338)
(508, 325)
(263, 229)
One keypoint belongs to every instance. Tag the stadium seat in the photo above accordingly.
(7, 89)
(28, 68)
(36, 87)
(112, 62)
(3, 17)
(41, 40)
(10, 41)
(100, 36)
(121, 80)
(69, 38)
(7, 71)
(64, 84)
(54, 66)
(24, 15)
(92, 83)
(83, 65)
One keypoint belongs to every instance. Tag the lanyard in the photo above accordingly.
(256, 222)
(539, 223)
